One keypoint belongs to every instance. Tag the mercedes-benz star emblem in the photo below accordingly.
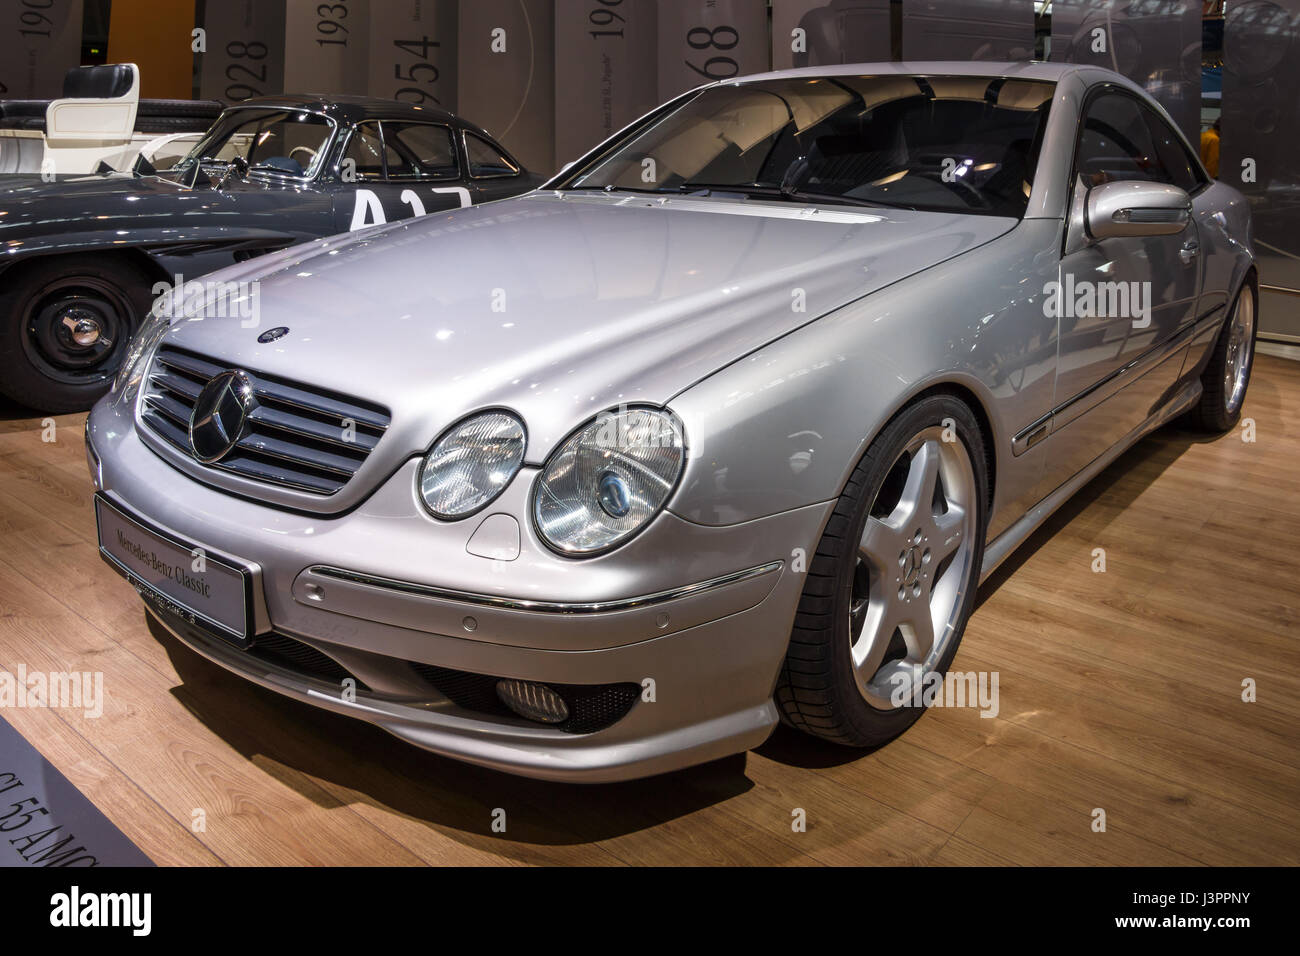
(912, 567)
(217, 421)
(270, 335)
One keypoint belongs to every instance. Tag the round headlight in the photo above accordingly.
(608, 480)
(471, 464)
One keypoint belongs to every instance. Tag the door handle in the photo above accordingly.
(1191, 248)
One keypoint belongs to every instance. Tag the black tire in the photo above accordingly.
(816, 690)
(38, 368)
(1213, 413)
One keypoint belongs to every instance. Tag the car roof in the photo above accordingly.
(353, 109)
(347, 109)
(1023, 69)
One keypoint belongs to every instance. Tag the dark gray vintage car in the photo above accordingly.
(80, 259)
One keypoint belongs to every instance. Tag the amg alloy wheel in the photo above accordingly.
(894, 578)
(912, 569)
(1227, 376)
(1239, 354)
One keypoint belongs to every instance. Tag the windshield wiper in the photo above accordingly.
(807, 196)
(788, 193)
(606, 189)
(745, 189)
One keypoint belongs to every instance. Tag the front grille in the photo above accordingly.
(297, 436)
(592, 707)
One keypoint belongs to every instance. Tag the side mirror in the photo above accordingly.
(1137, 209)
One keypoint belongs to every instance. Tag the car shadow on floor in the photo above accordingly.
(1150, 457)
(11, 411)
(335, 760)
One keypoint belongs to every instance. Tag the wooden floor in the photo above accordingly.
(1120, 691)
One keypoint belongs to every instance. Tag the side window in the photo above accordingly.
(425, 151)
(1116, 144)
(366, 151)
(485, 160)
(1173, 154)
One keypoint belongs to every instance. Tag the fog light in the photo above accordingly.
(533, 701)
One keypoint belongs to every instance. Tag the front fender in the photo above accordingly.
(156, 241)
(784, 427)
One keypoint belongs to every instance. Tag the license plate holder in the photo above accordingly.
(218, 599)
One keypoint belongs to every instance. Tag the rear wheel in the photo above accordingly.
(1227, 375)
(893, 580)
(64, 326)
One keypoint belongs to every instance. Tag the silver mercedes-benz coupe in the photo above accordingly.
(722, 426)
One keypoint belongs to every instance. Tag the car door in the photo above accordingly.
(1122, 302)
(394, 170)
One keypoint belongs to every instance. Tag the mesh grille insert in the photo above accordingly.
(301, 659)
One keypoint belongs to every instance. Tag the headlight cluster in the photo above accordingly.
(608, 480)
(471, 464)
(600, 487)
(138, 352)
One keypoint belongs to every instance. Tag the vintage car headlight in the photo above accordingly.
(138, 352)
(608, 480)
(471, 464)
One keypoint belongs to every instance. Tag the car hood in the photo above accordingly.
(25, 186)
(562, 305)
(23, 190)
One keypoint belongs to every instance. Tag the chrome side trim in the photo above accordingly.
(1049, 424)
(1278, 288)
(1032, 435)
(546, 607)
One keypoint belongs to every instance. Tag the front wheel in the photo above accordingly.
(893, 580)
(1227, 375)
(64, 326)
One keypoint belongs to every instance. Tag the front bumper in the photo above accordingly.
(384, 589)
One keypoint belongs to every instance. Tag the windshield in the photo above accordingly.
(283, 142)
(957, 144)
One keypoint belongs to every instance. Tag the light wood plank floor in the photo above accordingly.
(1119, 691)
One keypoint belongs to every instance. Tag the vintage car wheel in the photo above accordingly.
(893, 580)
(1227, 375)
(65, 329)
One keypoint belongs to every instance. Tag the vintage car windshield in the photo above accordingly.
(951, 143)
(277, 142)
